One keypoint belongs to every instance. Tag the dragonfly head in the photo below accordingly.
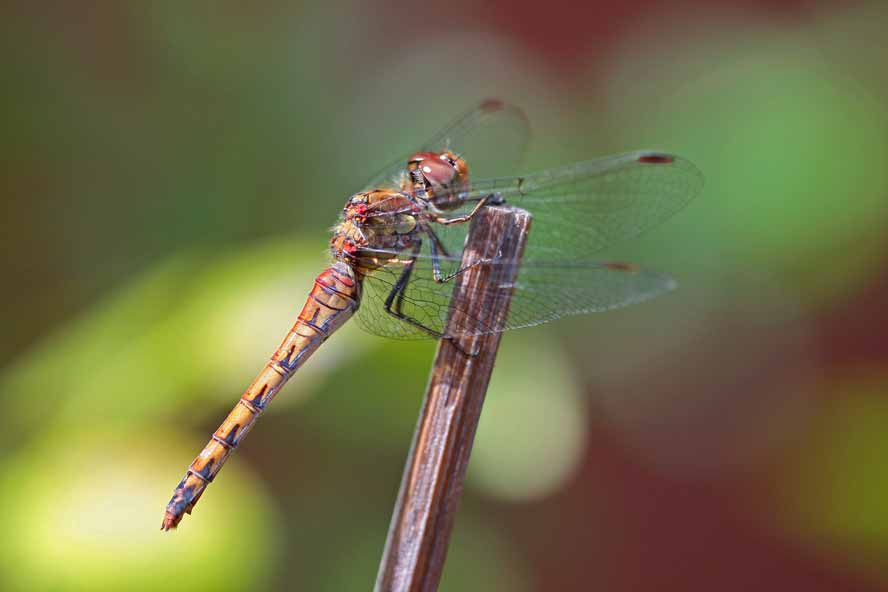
(438, 174)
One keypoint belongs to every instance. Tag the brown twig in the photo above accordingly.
(436, 467)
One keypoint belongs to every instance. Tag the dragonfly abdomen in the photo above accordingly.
(333, 299)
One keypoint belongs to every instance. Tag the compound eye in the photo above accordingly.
(437, 172)
(419, 157)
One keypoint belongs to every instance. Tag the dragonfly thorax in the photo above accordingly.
(440, 178)
(374, 227)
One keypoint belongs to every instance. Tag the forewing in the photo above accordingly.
(491, 137)
(582, 208)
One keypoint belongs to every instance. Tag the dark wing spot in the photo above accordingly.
(630, 267)
(491, 105)
(656, 158)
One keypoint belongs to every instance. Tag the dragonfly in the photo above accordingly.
(397, 251)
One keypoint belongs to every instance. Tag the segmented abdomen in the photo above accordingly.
(333, 299)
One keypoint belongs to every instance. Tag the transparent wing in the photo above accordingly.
(491, 137)
(582, 208)
(577, 209)
(544, 291)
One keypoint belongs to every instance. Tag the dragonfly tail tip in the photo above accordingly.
(170, 521)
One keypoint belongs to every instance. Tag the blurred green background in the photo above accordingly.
(171, 172)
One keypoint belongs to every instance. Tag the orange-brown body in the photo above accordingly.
(333, 299)
(388, 228)
(375, 225)
(374, 228)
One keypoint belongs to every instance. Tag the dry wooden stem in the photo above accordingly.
(436, 467)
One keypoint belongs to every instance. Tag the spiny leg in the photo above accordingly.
(436, 240)
(398, 292)
(466, 217)
(397, 295)
(436, 261)
(434, 245)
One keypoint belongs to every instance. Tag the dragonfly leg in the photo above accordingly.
(436, 266)
(435, 245)
(443, 279)
(396, 296)
(436, 242)
(436, 262)
(467, 217)
(395, 300)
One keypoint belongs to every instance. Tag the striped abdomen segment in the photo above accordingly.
(333, 299)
